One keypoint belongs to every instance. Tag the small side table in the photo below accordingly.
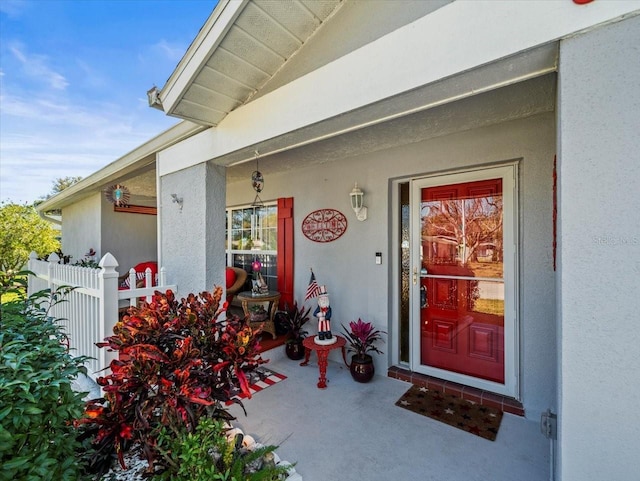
(322, 350)
(272, 297)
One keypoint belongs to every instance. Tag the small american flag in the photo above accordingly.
(314, 289)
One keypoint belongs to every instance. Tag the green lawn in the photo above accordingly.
(489, 306)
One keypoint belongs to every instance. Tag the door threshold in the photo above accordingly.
(485, 398)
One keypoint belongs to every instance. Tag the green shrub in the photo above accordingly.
(207, 454)
(37, 404)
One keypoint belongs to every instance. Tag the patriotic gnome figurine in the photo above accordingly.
(323, 313)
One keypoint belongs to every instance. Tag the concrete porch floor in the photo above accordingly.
(352, 431)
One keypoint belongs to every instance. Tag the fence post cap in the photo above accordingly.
(33, 255)
(108, 261)
(54, 258)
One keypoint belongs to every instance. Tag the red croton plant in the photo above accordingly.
(177, 362)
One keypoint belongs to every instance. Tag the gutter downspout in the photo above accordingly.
(44, 216)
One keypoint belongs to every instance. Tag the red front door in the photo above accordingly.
(462, 279)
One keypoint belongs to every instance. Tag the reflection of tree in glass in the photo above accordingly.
(474, 294)
(473, 224)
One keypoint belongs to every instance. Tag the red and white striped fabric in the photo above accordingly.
(263, 379)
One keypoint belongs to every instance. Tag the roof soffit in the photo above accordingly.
(241, 47)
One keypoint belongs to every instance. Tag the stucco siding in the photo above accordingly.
(91, 223)
(193, 234)
(360, 288)
(599, 364)
(81, 224)
(131, 238)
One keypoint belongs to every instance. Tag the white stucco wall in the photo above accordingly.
(360, 288)
(193, 237)
(131, 237)
(599, 270)
(81, 223)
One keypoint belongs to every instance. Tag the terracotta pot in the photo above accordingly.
(294, 349)
(362, 368)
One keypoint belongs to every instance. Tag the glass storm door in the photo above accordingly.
(464, 278)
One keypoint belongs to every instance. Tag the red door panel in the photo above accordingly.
(462, 320)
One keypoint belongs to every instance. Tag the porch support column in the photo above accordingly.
(192, 228)
(599, 254)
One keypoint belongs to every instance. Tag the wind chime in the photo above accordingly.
(257, 182)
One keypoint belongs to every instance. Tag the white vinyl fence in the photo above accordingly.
(89, 312)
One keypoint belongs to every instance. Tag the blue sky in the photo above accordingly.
(73, 83)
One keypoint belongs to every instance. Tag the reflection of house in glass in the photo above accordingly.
(485, 252)
(438, 249)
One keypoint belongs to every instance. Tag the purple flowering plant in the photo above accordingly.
(362, 337)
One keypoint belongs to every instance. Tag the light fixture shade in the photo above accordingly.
(357, 198)
(357, 203)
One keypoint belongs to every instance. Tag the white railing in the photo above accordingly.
(89, 312)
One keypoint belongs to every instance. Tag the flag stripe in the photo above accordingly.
(313, 289)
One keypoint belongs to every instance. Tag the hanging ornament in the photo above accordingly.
(257, 182)
(117, 194)
(256, 265)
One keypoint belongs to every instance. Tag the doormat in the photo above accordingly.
(483, 421)
(259, 379)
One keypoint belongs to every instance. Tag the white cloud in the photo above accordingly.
(69, 111)
(172, 52)
(45, 138)
(35, 66)
(92, 77)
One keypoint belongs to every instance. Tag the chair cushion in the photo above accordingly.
(139, 277)
(140, 274)
(142, 267)
(231, 277)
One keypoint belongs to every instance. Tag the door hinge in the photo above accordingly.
(549, 424)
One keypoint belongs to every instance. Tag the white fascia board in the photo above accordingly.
(459, 37)
(198, 53)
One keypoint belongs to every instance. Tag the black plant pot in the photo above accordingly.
(362, 368)
(294, 349)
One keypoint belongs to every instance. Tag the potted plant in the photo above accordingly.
(361, 337)
(294, 318)
(257, 313)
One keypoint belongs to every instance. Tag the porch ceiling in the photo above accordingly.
(239, 49)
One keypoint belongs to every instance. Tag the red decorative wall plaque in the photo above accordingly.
(324, 225)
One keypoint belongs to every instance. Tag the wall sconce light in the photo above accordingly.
(177, 200)
(357, 203)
